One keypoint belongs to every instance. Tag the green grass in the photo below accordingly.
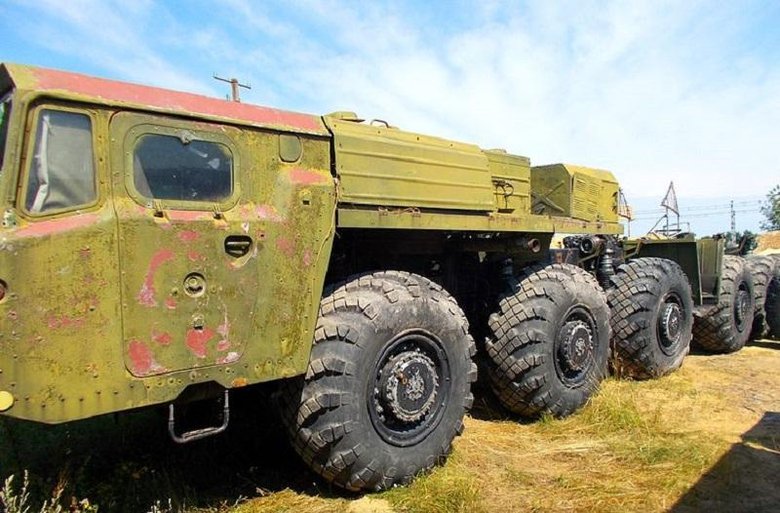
(447, 489)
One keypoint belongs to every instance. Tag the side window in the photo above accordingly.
(181, 169)
(5, 115)
(62, 171)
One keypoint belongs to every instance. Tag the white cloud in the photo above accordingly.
(655, 91)
(108, 35)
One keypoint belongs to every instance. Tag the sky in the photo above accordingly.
(661, 91)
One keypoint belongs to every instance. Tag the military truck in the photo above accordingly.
(160, 248)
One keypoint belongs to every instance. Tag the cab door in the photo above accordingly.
(58, 257)
(188, 261)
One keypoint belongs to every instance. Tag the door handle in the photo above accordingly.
(238, 245)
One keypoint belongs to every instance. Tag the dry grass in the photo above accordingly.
(290, 501)
(704, 438)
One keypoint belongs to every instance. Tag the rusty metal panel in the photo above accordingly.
(380, 165)
(250, 317)
(184, 295)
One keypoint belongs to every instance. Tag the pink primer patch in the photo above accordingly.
(170, 303)
(63, 321)
(286, 246)
(147, 293)
(140, 358)
(123, 92)
(197, 340)
(189, 236)
(224, 330)
(306, 177)
(164, 339)
(194, 256)
(187, 215)
(53, 226)
(268, 212)
(307, 258)
(229, 358)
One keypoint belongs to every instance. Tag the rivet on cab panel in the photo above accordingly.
(6, 400)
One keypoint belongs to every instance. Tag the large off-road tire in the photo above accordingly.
(772, 305)
(762, 270)
(726, 327)
(549, 341)
(651, 316)
(388, 382)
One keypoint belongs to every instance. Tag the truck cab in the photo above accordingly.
(152, 241)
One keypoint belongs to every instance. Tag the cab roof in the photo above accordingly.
(75, 86)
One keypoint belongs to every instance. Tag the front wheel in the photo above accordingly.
(549, 341)
(388, 382)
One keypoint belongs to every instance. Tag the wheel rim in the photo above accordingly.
(741, 307)
(409, 388)
(575, 347)
(670, 323)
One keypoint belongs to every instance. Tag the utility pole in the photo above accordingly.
(733, 218)
(234, 85)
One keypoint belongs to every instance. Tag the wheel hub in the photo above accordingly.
(741, 307)
(671, 321)
(576, 347)
(408, 386)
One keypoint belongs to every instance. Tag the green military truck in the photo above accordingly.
(159, 248)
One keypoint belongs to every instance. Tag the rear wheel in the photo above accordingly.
(388, 382)
(726, 327)
(549, 341)
(772, 305)
(651, 316)
(762, 270)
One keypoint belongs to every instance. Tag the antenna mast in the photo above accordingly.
(234, 86)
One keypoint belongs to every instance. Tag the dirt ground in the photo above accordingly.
(768, 243)
(747, 476)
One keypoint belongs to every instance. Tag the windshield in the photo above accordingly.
(5, 115)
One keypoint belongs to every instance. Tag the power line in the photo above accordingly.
(703, 214)
(701, 207)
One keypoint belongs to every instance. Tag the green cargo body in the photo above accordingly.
(385, 166)
(393, 179)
